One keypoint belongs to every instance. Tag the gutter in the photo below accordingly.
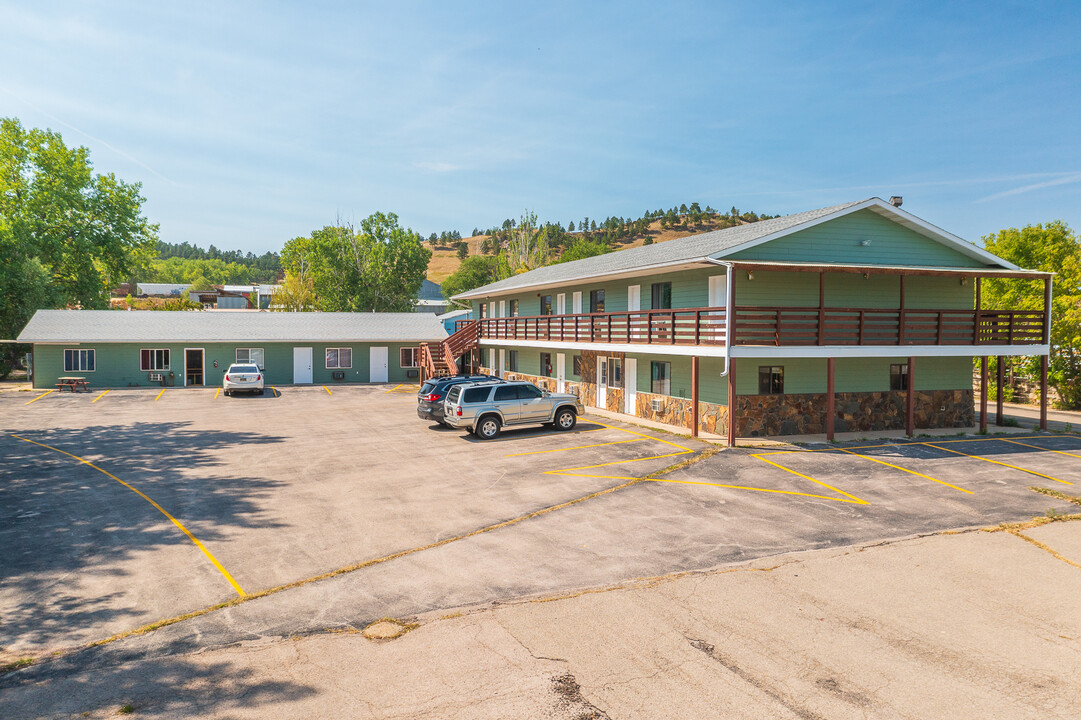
(728, 303)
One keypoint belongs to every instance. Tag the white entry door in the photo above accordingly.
(718, 298)
(491, 361)
(561, 304)
(502, 362)
(602, 382)
(302, 365)
(502, 308)
(377, 365)
(561, 372)
(634, 304)
(630, 386)
(576, 303)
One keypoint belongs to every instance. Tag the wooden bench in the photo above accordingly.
(73, 383)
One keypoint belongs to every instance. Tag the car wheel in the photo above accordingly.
(226, 393)
(566, 419)
(262, 391)
(488, 428)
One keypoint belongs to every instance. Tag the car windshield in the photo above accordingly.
(244, 369)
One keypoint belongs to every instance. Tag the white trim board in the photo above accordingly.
(635, 348)
(900, 351)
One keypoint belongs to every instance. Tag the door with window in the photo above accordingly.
(193, 366)
(602, 382)
(532, 405)
(507, 402)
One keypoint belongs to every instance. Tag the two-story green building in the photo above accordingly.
(859, 316)
(116, 348)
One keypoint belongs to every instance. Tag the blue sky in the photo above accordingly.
(251, 123)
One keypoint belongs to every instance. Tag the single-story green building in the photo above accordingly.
(114, 348)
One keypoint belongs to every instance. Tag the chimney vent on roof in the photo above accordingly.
(896, 200)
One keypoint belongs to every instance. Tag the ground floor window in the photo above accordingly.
(154, 359)
(339, 358)
(546, 364)
(661, 378)
(407, 357)
(615, 373)
(512, 360)
(770, 379)
(899, 377)
(576, 364)
(80, 360)
(251, 356)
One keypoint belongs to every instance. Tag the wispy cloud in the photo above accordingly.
(1064, 179)
(439, 167)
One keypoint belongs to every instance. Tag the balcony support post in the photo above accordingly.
(731, 402)
(830, 409)
(1043, 392)
(694, 396)
(910, 399)
(983, 394)
(1000, 364)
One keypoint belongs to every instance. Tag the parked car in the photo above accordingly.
(242, 378)
(431, 395)
(486, 408)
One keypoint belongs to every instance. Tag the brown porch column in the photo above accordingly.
(910, 399)
(694, 396)
(983, 394)
(999, 399)
(731, 402)
(1043, 392)
(830, 410)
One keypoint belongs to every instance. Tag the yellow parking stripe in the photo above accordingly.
(996, 462)
(39, 397)
(765, 490)
(852, 498)
(215, 394)
(394, 388)
(328, 390)
(99, 397)
(274, 391)
(577, 447)
(913, 472)
(163, 392)
(160, 509)
(1060, 452)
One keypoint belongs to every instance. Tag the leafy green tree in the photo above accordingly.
(379, 267)
(296, 294)
(463, 249)
(527, 248)
(66, 234)
(1051, 247)
(580, 248)
(475, 270)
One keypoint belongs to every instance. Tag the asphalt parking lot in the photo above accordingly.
(331, 507)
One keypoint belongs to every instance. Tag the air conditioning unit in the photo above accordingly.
(338, 375)
(657, 404)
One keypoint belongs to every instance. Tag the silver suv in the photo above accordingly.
(486, 408)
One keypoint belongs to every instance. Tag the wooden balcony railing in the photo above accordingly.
(777, 326)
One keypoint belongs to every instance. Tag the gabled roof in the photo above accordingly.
(430, 291)
(719, 244)
(88, 326)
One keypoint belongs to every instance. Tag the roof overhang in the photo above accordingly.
(889, 269)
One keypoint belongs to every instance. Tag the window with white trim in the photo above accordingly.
(79, 360)
(339, 358)
(407, 357)
(252, 356)
(154, 359)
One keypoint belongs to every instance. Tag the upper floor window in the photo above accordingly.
(596, 301)
(546, 305)
(899, 377)
(79, 360)
(771, 380)
(662, 296)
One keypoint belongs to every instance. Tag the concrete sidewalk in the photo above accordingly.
(970, 625)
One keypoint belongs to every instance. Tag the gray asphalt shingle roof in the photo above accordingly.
(86, 326)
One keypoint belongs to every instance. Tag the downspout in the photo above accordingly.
(727, 310)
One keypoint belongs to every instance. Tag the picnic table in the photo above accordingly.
(73, 383)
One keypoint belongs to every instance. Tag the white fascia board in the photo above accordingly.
(902, 217)
(628, 348)
(900, 351)
(686, 263)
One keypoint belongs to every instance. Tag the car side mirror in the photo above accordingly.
(547, 393)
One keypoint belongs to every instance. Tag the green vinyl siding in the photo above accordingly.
(840, 241)
(118, 364)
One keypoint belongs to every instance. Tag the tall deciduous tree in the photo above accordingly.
(66, 234)
(379, 267)
(475, 270)
(1052, 247)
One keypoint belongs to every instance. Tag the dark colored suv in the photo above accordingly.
(432, 393)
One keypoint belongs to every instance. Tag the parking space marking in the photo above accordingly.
(851, 498)
(765, 490)
(577, 447)
(1060, 452)
(328, 390)
(898, 467)
(570, 472)
(218, 390)
(274, 391)
(162, 393)
(997, 462)
(144, 496)
(99, 397)
(39, 397)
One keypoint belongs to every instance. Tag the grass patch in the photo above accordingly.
(1075, 499)
(16, 665)
(126, 709)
